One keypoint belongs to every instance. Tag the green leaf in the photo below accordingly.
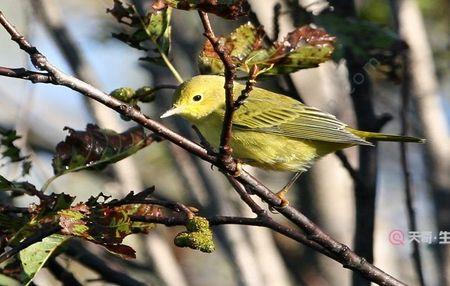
(305, 47)
(229, 9)
(34, 257)
(96, 148)
(11, 151)
(158, 29)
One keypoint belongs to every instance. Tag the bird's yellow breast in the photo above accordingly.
(267, 151)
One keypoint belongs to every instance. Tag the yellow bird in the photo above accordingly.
(270, 131)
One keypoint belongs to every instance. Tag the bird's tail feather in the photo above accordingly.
(373, 136)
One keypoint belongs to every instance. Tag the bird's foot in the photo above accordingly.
(238, 170)
(282, 195)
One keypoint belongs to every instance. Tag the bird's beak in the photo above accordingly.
(174, 110)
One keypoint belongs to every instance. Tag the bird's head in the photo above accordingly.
(198, 97)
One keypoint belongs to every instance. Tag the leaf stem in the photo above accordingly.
(165, 58)
(48, 182)
(169, 65)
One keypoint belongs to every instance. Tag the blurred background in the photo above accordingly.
(76, 36)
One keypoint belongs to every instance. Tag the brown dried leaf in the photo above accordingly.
(96, 148)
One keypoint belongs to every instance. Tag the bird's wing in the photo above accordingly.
(272, 113)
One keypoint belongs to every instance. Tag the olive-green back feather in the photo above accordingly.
(270, 112)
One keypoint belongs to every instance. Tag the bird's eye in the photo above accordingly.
(197, 97)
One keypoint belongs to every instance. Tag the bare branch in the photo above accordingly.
(144, 198)
(264, 221)
(240, 189)
(248, 87)
(26, 74)
(225, 150)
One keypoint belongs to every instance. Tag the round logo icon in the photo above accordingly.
(397, 237)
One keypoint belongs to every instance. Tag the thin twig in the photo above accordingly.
(225, 149)
(29, 189)
(240, 189)
(26, 74)
(412, 223)
(264, 221)
(248, 87)
(346, 164)
(405, 100)
(144, 198)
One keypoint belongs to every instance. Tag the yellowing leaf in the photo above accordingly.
(305, 47)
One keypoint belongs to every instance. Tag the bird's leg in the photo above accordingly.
(282, 194)
(238, 171)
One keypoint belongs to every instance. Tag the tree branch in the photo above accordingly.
(248, 87)
(240, 189)
(225, 149)
(264, 221)
(26, 74)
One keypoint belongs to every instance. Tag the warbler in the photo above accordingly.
(270, 130)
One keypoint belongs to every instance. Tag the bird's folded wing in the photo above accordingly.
(272, 113)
